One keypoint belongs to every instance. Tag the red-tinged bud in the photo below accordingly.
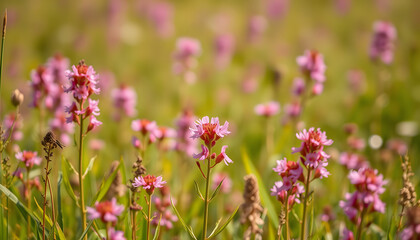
(213, 156)
(219, 158)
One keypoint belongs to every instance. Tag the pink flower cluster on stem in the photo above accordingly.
(382, 47)
(313, 67)
(149, 183)
(124, 99)
(107, 211)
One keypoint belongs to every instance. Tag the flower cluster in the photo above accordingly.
(184, 143)
(149, 183)
(107, 211)
(124, 99)
(267, 109)
(163, 210)
(312, 65)
(353, 159)
(83, 81)
(369, 185)
(382, 47)
(29, 158)
(289, 189)
(210, 132)
(186, 52)
(312, 152)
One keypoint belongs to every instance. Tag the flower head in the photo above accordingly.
(124, 99)
(29, 158)
(107, 211)
(149, 183)
(312, 64)
(382, 47)
(267, 109)
(115, 235)
(208, 131)
(83, 81)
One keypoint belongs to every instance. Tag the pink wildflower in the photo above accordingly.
(204, 153)
(41, 83)
(298, 86)
(353, 161)
(124, 100)
(277, 8)
(294, 193)
(184, 143)
(115, 235)
(226, 185)
(149, 183)
(208, 131)
(256, 27)
(166, 218)
(186, 52)
(267, 109)
(289, 169)
(29, 158)
(223, 156)
(144, 126)
(83, 81)
(347, 235)
(160, 14)
(312, 64)
(107, 211)
(8, 122)
(382, 46)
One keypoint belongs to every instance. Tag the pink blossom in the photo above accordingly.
(58, 65)
(59, 125)
(223, 156)
(149, 183)
(298, 86)
(317, 89)
(289, 169)
(29, 158)
(382, 46)
(144, 126)
(83, 81)
(256, 27)
(367, 179)
(398, 146)
(347, 235)
(166, 218)
(204, 153)
(9, 121)
(115, 235)
(93, 123)
(124, 100)
(226, 185)
(41, 83)
(294, 193)
(184, 142)
(313, 141)
(208, 131)
(160, 14)
(267, 109)
(312, 64)
(96, 144)
(353, 161)
(107, 211)
(293, 109)
(224, 46)
(185, 58)
(277, 8)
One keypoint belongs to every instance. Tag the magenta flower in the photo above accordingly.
(8, 122)
(353, 161)
(367, 179)
(160, 14)
(312, 64)
(204, 153)
(382, 47)
(115, 235)
(29, 158)
(347, 234)
(267, 109)
(256, 28)
(41, 83)
(166, 219)
(149, 183)
(289, 169)
(208, 131)
(83, 81)
(58, 65)
(277, 8)
(144, 126)
(312, 141)
(107, 211)
(294, 193)
(298, 86)
(293, 110)
(59, 124)
(226, 185)
(223, 157)
(124, 99)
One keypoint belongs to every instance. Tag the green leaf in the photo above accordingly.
(49, 221)
(215, 227)
(224, 225)
(65, 166)
(155, 237)
(86, 230)
(89, 167)
(59, 208)
(217, 190)
(105, 185)
(187, 228)
(198, 190)
(22, 209)
(265, 197)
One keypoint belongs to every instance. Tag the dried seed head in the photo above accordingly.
(50, 141)
(138, 170)
(407, 192)
(251, 208)
(17, 98)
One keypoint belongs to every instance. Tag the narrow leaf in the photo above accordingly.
(155, 237)
(105, 185)
(65, 169)
(217, 190)
(187, 228)
(59, 231)
(198, 190)
(225, 224)
(89, 167)
(59, 208)
(215, 227)
(86, 230)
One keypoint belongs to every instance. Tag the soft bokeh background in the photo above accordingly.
(122, 43)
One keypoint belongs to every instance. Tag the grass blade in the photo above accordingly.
(86, 230)
(198, 190)
(59, 208)
(65, 169)
(187, 228)
(105, 185)
(217, 190)
(224, 225)
(89, 167)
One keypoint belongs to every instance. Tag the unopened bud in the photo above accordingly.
(17, 98)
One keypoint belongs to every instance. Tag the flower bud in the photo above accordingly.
(17, 98)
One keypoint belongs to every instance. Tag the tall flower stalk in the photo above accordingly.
(314, 160)
(83, 80)
(209, 132)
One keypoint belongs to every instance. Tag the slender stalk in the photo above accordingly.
(305, 202)
(206, 199)
(287, 217)
(82, 195)
(52, 207)
(28, 191)
(107, 230)
(3, 38)
(45, 191)
(400, 221)
(360, 227)
(133, 217)
(149, 212)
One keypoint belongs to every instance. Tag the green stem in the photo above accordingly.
(45, 192)
(206, 200)
(360, 227)
(149, 212)
(52, 208)
(82, 196)
(287, 217)
(305, 202)
(133, 217)
(28, 189)
(107, 230)
(3, 38)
